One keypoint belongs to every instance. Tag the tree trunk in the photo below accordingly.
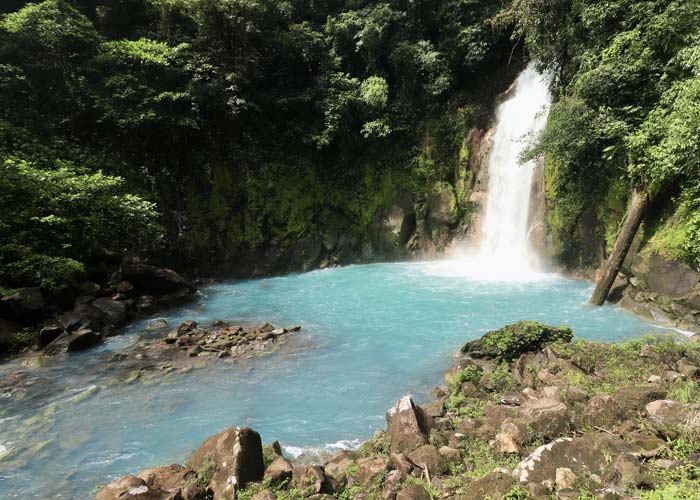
(633, 219)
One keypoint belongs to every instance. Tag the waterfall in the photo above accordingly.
(505, 243)
(505, 251)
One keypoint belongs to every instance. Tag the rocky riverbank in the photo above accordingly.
(527, 412)
(80, 315)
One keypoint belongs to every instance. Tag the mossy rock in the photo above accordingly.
(513, 340)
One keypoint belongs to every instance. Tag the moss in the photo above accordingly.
(513, 340)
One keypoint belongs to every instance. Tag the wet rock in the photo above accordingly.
(406, 425)
(514, 340)
(146, 304)
(232, 459)
(115, 312)
(155, 280)
(83, 339)
(83, 316)
(25, 304)
(186, 327)
(278, 471)
(428, 457)
(48, 334)
(413, 492)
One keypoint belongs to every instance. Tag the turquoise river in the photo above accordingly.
(371, 334)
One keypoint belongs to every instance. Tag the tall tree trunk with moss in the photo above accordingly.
(630, 225)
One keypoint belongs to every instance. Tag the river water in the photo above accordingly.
(371, 334)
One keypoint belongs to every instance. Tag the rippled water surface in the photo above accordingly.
(370, 334)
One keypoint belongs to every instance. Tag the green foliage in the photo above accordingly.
(627, 113)
(517, 492)
(61, 216)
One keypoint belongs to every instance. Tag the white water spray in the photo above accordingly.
(505, 252)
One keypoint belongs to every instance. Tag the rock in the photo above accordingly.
(166, 478)
(156, 324)
(392, 226)
(83, 339)
(694, 338)
(232, 459)
(624, 471)
(311, 479)
(25, 304)
(278, 471)
(413, 492)
(266, 494)
(601, 411)
(370, 467)
(186, 326)
(399, 462)
(514, 340)
(83, 316)
(584, 455)
(504, 444)
(130, 487)
(565, 478)
(548, 418)
(406, 426)
(155, 280)
(441, 213)
(124, 287)
(671, 418)
(428, 457)
(632, 400)
(450, 454)
(146, 304)
(391, 484)
(494, 485)
(114, 310)
(48, 334)
(337, 467)
(194, 351)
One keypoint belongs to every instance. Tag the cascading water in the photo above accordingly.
(505, 244)
(505, 251)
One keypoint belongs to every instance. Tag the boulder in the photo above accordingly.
(584, 456)
(672, 418)
(428, 457)
(155, 280)
(548, 418)
(407, 426)
(312, 480)
(115, 312)
(266, 494)
(494, 485)
(337, 466)
(83, 339)
(601, 411)
(512, 341)
(48, 334)
(413, 492)
(278, 471)
(371, 467)
(131, 487)
(25, 304)
(83, 316)
(166, 478)
(232, 458)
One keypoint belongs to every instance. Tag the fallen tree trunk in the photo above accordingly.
(630, 225)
